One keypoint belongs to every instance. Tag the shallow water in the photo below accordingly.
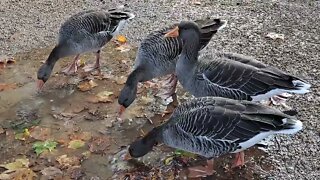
(66, 111)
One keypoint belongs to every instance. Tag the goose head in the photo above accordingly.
(184, 28)
(43, 75)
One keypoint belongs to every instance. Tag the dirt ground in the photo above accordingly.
(28, 30)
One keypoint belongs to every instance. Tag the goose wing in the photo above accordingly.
(242, 74)
(226, 120)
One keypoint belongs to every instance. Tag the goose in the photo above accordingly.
(213, 126)
(157, 56)
(86, 31)
(228, 75)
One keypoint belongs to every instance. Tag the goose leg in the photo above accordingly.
(201, 171)
(169, 88)
(239, 160)
(73, 67)
(95, 66)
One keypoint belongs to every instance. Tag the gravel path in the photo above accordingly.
(26, 25)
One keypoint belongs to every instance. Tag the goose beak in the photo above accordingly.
(40, 84)
(173, 33)
(121, 110)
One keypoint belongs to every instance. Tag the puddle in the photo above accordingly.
(65, 112)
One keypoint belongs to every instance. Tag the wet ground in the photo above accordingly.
(68, 111)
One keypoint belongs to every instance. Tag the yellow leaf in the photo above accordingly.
(17, 164)
(121, 39)
(87, 85)
(76, 144)
(104, 96)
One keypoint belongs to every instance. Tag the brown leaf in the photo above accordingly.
(40, 133)
(66, 161)
(24, 173)
(85, 136)
(121, 80)
(99, 145)
(105, 96)
(87, 85)
(4, 86)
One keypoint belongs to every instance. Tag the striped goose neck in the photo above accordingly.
(191, 45)
(54, 56)
(135, 77)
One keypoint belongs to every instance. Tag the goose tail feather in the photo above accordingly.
(300, 87)
(291, 126)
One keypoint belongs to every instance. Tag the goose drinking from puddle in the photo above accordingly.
(213, 126)
(157, 56)
(226, 74)
(86, 31)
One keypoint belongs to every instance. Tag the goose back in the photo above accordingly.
(90, 30)
(212, 126)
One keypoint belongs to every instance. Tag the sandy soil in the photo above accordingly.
(27, 25)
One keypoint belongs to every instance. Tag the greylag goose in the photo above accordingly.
(86, 31)
(213, 126)
(157, 56)
(228, 75)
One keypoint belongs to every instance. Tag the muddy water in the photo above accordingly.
(66, 110)
(61, 95)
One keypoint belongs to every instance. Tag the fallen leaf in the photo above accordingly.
(66, 161)
(76, 144)
(121, 80)
(4, 87)
(87, 85)
(121, 39)
(40, 147)
(104, 96)
(17, 164)
(124, 48)
(19, 174)
(51, 172)
(275, 36)
(81, 63)
(99, 145)
(168, 160)
(39, 133)
(23, 135)
(179, 152)
(85, 136)
(86, 154)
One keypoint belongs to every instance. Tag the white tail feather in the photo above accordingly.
(294, 128)
(303, 87)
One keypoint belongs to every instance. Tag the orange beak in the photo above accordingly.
(127, 157)
(121, 110)
(40, 84)
(173, 33)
